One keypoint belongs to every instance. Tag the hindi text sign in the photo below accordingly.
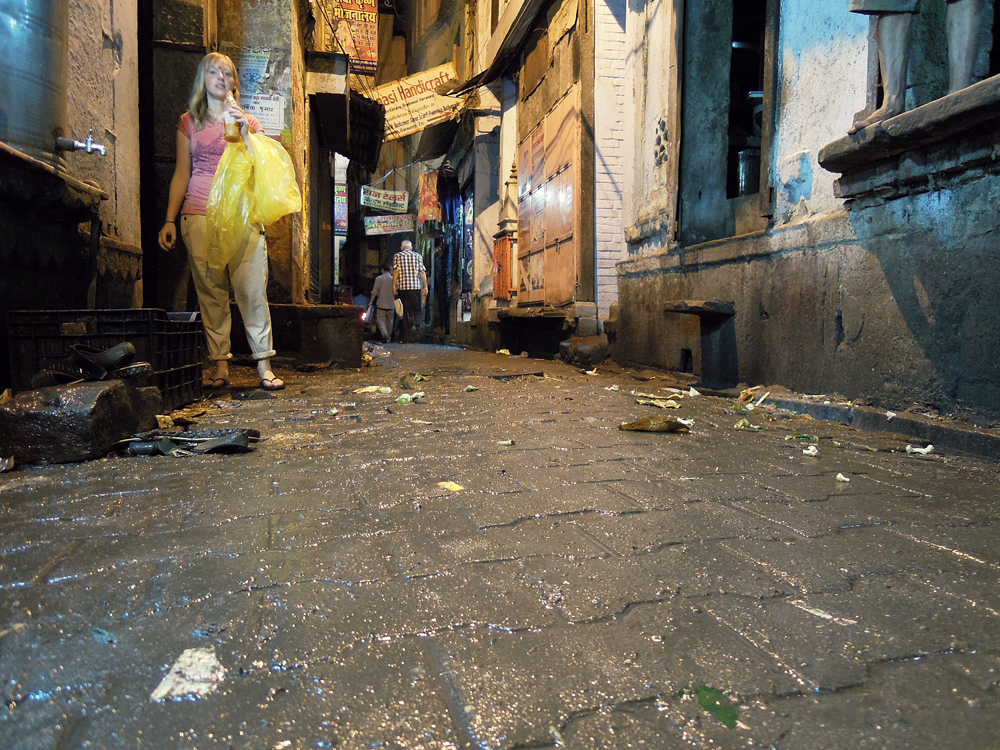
(391, 201)
(340, 210)
(349, 27)
(389, 224)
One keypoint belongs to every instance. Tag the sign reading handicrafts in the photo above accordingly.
(392, 224)
(391, 201)
(412, 103)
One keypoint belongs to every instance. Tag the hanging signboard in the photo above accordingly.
(349, 27)
(391, 201)
(411, 103)
(340, 210)
(389, 224)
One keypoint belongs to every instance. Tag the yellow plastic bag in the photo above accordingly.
(229, 211)
(248, 190)
(275, 187)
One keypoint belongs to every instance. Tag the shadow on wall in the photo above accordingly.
(938, 256)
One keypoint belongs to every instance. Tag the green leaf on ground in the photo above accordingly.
(803, 436)
(716, 703)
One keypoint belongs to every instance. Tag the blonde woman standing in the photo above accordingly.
(200, 144)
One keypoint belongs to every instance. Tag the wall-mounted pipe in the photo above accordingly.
(89, 146)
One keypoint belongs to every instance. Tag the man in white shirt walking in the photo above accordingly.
(409, 282)
(384, 302)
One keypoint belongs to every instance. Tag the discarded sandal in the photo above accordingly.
(155, 443)
(98, 363)
(234, 442)
(134, 371)
(272, 384)
(162, 447)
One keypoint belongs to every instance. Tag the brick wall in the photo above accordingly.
(609, 146)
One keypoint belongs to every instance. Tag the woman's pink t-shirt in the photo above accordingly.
(207, 146)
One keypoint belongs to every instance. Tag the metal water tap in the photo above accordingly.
(68, 144)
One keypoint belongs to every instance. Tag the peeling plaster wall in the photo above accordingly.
(821, 84)
(655, 133)
(102, 94)
(892, 304)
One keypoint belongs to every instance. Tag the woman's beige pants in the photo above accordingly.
(246, 272)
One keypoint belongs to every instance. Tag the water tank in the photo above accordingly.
(33, 58)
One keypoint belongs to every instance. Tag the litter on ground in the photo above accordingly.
(662, 403)
(658, 424)
(409, 398)
(196, 672)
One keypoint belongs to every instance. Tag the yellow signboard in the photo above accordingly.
(411, 103)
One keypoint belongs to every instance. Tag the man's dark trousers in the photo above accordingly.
(412, 300)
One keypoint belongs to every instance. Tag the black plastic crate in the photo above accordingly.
(170, 342)
(180, 386)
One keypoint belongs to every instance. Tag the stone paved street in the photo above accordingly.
(583, 587)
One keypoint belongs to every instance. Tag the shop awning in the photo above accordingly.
(436, 140)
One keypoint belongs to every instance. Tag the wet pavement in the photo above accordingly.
(574, 585)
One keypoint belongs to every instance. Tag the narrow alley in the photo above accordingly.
(497, 565)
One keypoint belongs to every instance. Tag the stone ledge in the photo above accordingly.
(941, 141)
(63, 186)
(312, 334)
(952, 436)
(705, 308)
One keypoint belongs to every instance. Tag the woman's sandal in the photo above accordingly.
(272, 384)
(215, 384)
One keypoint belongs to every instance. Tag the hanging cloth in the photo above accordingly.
(449, 195)
(428, 205)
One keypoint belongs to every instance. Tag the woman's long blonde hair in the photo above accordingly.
(198, 103)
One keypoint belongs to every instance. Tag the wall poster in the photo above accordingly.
(351, 28)
(265, 82)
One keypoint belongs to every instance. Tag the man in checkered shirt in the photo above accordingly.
(409, 283)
